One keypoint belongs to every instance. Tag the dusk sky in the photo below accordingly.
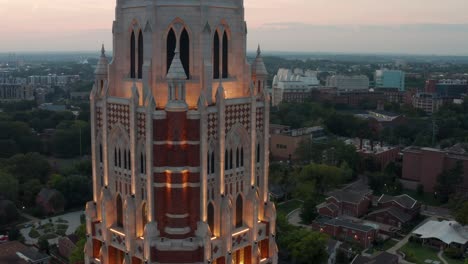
(357, 26)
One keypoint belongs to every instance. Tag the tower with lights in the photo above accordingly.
(180, 130)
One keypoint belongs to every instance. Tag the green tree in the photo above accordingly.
(308, 210)
(77, 255)
(448, 181)
(29, 191)
(461, 214)
(27, 167)
(9, 186)
(43, 244)
(308, 247)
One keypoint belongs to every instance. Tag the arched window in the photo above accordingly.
(185, 51)
(132, 55)
(225, 55)
(140, 55)
(212, 162)
(119, 208)
(211, 217)
(120, 159)
(237, 158)
(171, 46)
(216, 56)
(239, 211)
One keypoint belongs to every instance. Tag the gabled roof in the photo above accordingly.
(396, 212)
(382, 258)
(341, 222)
(348, 196)
(331, 206)
(404, 200)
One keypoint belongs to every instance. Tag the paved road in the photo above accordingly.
(294, 218)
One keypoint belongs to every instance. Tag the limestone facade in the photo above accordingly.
(180, 130)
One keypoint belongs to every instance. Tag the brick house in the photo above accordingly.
(346, 202)
(346, 230)
(66, 245)
(403, 202)
(50, 200)
(390, 216)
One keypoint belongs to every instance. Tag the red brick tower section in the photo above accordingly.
(177, 155)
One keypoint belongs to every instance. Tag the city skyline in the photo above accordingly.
(361, 26)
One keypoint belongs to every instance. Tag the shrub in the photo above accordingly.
(62, 226)
(453, 253)
(33, 233)
(420, 189)
(48, 236)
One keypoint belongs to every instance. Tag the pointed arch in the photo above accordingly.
(216, 55)
(119, 210)
(140, 54)
(239, 211)
(132, 55)
(185, 51)
(171, 43)
(225, 55)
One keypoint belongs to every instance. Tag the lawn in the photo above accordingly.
(416, 253)
(453, 261)
(289, 206)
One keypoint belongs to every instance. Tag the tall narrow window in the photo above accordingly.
(185, 52)
(100, 153)
(226, 160)
(211, 217)
(212, 162)
(237, 158)
(242, 157)
(216, 56)
(119, 206)
(230, 159)
(140, 55)
(125, 159)
(225, 55)
(171, 46)
(120, 159)
(115, 157)
(132, 55)
(129, 156)
(208, 164)
(258, 153)
(142, 164)
(239, 211)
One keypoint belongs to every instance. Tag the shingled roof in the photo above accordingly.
(398, 213)
(403, 200)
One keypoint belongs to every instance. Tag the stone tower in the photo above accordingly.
(180, 127)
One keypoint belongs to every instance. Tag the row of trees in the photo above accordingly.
(23, 176)
(22, 131)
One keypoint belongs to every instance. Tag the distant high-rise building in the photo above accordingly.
(390, 79)
(348, 83)
(180, 135)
